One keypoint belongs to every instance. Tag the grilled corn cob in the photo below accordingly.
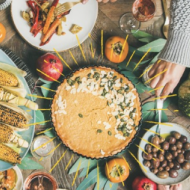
(8, 79)
(7, 135)
(9, 155)
(6, 96)
(11, 117)
(11, 79)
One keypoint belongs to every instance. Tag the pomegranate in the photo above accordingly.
(51, 66)
(143, 183)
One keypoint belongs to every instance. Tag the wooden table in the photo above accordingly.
(108, 18)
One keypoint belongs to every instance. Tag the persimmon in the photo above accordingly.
(116, 49)
(2, 32)
(117, 170)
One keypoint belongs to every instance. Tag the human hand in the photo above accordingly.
(168, 79)
(167, 187)
(104, 1)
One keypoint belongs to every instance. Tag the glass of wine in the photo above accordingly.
(142, 11)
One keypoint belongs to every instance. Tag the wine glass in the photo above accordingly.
(142, 11)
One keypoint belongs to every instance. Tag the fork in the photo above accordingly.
(159, 106)
(167, 20)
(65, 7)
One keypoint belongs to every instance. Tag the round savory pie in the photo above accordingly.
(96, 112)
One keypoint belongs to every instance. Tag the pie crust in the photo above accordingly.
(96, 112)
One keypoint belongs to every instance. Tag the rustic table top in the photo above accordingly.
(108, 19)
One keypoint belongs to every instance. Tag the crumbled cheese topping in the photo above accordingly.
(61, 106)
(120, 137)
(102, 152)
(99, 122)
(107, 125)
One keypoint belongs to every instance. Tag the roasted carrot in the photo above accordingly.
(51, 30)
(50, 15)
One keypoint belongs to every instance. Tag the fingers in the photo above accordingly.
(169, 87)
(161, 82)
(105, 1)
(154, 82)
(163, 187)
(152, 71)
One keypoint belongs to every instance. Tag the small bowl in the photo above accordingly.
(19, 182)
(183, 174)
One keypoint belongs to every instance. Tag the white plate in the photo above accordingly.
(19, 182)
(82, 15)
(183, 174)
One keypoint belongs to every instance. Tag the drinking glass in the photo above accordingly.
(142, 11)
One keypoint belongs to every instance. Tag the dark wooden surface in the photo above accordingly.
(108, 20)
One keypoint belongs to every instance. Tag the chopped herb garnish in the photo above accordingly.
(70, 82)
(126, 134)
(121, 80)
(79, 82)
(77, 79)
(108, 103)
(104, 92)
(109, 133)
(134, 110)
(122, 120)
(89, 75)
(99, 131)
(119, 91)
(128, 104)
(96, 75)
(97, 78)
(124, 129)
(116, 117)
(80, 115)
(115, 77)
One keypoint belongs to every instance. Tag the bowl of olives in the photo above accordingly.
(166, 158)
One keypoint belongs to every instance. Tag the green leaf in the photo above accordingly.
(47, 115)
(46, 92)
(131, 76)
(148, 115)
(148, 106)
(111, 186)
(102, 179)
(84, 171)
(29, 164)
(164, 117)
(84, 164)
(39, 117)
(140, 34)
(147, 39)
(50, 134)
(92, 178)
(167, 102)
(45, 81)
(87, 182)
(156, 46)
(29, 155)
(137, 53)
(33, 97)
(141, 87)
